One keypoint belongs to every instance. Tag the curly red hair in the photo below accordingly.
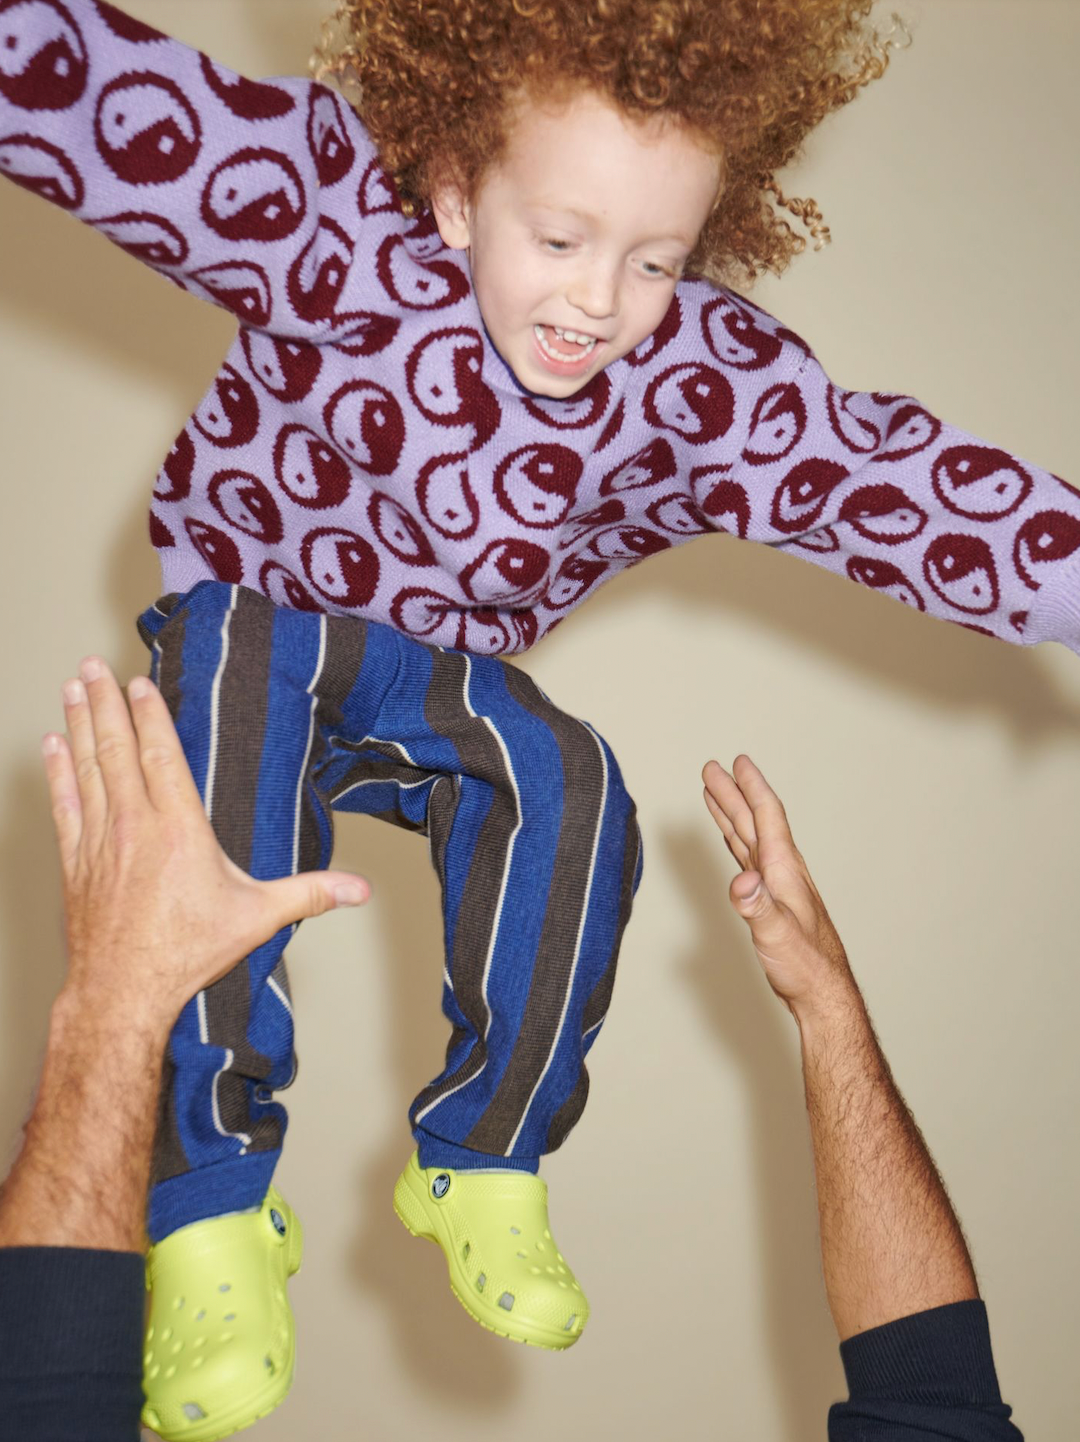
(434, 82)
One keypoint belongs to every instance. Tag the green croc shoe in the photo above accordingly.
(505, 1269)
(220, 1340)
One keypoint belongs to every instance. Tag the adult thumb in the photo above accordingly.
(757, 903)
(295, 898)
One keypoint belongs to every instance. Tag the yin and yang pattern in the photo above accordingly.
(363, 450)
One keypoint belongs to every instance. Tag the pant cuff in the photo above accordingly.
(230, 1186)
(434, 1152)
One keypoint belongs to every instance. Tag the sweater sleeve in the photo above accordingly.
(923, 1378)
(71, 1322)
(248, 194)
(874, 487)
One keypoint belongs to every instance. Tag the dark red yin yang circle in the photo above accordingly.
(800, 498)
(284, 589)
(341, 566)
(146, 130)
(400, 533)
(884, 576)
(980, 482)
(693, 400)
(309, 470)
(961, 571)
(218, 550)
(1045, 538)
(243, 502)
(53, 75)
(256, 194)
(366, 424)
(537, 484)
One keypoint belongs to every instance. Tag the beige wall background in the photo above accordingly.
(932, 777)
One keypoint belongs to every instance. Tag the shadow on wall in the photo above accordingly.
(32, 944)
(751, 1026)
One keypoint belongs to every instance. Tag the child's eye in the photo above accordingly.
(557, 245)
(651, 267)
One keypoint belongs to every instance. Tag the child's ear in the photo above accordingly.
(452, 214)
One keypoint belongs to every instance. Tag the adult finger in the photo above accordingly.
(114, 735)
(770, 819)
(83, 748)
(725, 790)
(733, 842)
(63, 798)
(169, 782)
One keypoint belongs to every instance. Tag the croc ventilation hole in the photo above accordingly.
(466, 1249)
(570, 1322)
(480, 1282)
(516, 1231)
(192, 1411)
(178, 1302)
(268, 1363)
(524, 1254)
(506, 1301)
(225, 1287)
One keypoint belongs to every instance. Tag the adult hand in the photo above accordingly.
(127, 816)
(796, 943)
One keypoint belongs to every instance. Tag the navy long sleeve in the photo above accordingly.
(70, 1344)
(924, 1378)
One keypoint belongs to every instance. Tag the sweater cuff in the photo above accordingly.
(66, 1310)
(941, 1356)
(1055, 614)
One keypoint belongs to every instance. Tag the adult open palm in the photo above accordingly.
(796, 943)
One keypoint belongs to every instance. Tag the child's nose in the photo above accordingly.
(595, 292)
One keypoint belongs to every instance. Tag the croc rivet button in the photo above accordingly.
(278, 1221)
(440, 1186)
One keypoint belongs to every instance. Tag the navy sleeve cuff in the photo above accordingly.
(71, 1322)
(942, 1356)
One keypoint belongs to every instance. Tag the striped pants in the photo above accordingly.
(285, 715)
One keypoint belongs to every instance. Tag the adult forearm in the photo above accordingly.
(891, 1242)
(81, 1177)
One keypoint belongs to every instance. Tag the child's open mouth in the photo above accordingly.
(564, 350)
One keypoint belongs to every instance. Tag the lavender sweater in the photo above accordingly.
(365, 450)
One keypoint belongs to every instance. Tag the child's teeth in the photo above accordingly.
(588, 341)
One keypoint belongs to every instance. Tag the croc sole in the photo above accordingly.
(416, 1218)
(229, 1425)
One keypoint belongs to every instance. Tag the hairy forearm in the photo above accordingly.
(81, 1177)
(891, 1243)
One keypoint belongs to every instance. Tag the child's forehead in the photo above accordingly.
(565, 155)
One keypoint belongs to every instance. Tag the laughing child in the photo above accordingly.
(487, 357)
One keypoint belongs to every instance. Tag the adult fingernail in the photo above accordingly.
(50, 744)
(754, 894)
(91, 669)
(349, 894)
(74, 692)
(138, 687)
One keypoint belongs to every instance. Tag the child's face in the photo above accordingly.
(583, 225)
